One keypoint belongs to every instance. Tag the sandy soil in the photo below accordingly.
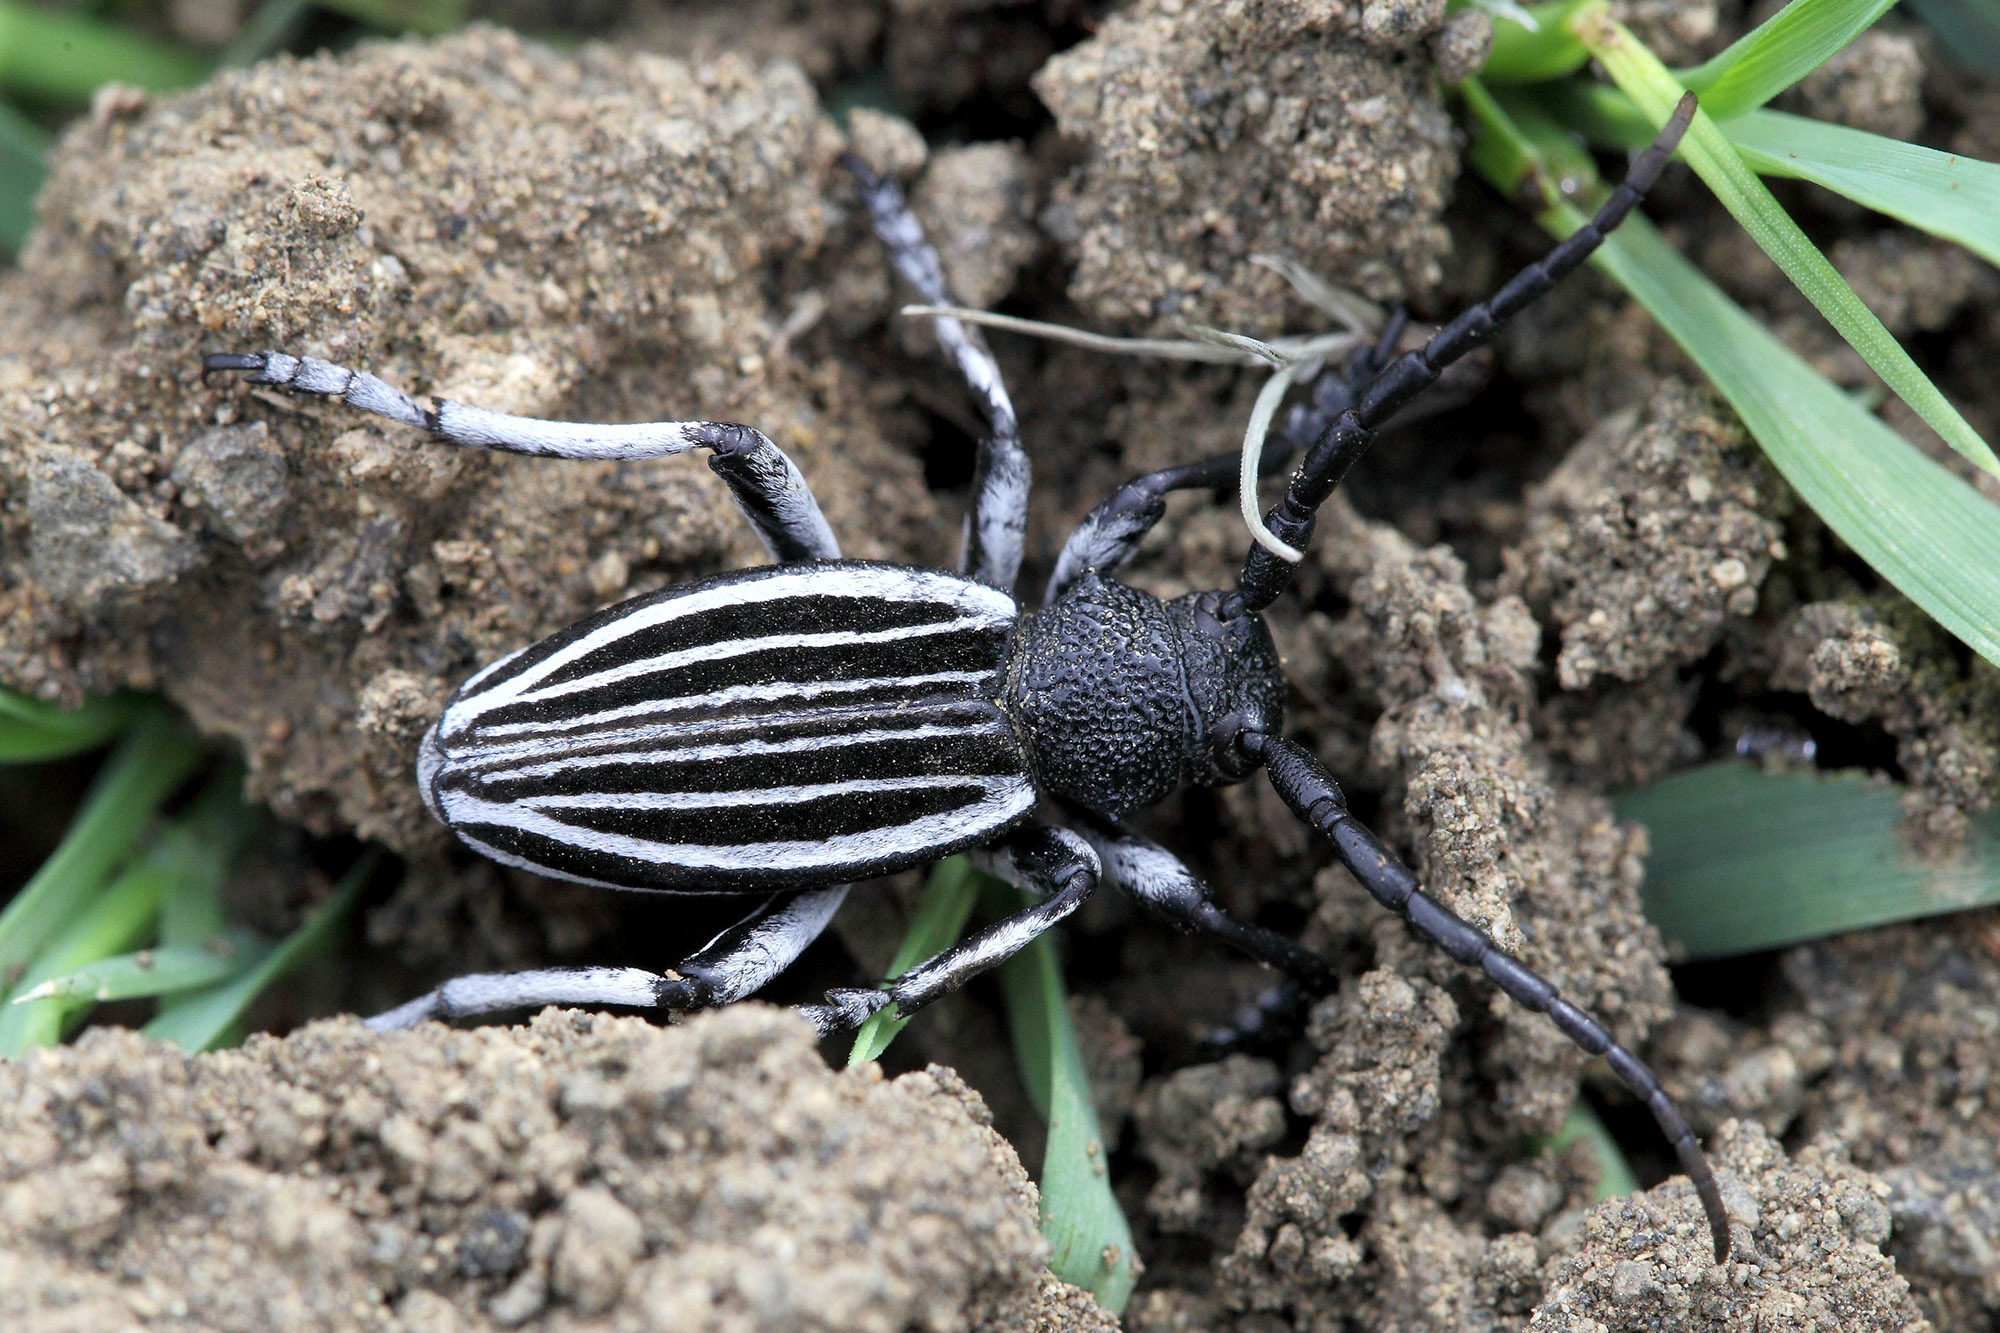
(1571, 583)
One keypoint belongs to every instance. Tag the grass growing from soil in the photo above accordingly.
(129, 905)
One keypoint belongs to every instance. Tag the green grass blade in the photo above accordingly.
(263, 33)
(24, 148)
(1778, 52)
(32, 731)
(196, 850)
(1615, 1178)
(1090, 1238)
(940, 919)
(48, 53)
(429, 17)
(155, 757)
(207, 1018)
(152, 972)
(116, 920)
(1924, 530)
(1550, 51)
(1745, 860)
(1969, 29)
(1921, 528)
(1944, 194)
(1649, 84)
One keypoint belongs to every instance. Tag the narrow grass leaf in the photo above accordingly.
(24, 148)
(1649, 84)
(1778, 52)
(112, 922)
(67, 56)
(151, 972)
(263, 33)
(206, 1019)
(1615, 1178)
(153, 760)
(1925, 531)
(1548, 50)
(32, 731)
(1745, 860)
(1920, 527)
(1944, 194)
(942, 910)
(429, 17)
(202, 847)
(195, 852)
(1969, 29)
(1090, 1239)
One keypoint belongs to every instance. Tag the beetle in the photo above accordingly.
(791, 728)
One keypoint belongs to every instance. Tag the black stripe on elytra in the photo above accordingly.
(566, 860)
(990, 752)
(788, 701)
(979, 649)
(779, 617)
(540, 652)
(802, 819)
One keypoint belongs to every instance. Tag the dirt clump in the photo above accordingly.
(1910, 1017)
(582, 1172)
(458, 215)
(1807, 1231)
(1213, 133)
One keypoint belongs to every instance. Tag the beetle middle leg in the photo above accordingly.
(734, 964)
(1042, 858)
(997, 529)
(765, 483)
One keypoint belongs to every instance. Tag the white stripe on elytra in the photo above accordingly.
(774, 796)
(648, 741)
(703, 753)
(716, 652)
(818, 855)
(763, 692)
(987, 605)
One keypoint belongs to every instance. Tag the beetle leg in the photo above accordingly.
(1155, 877)
(1110, 533)
(1039, 857)
(732, 965)
(997, 528)
(1314, 797)
(766, 484)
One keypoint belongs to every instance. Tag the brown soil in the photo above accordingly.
(655, 226)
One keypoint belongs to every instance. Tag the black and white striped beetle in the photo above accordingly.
(791, 728)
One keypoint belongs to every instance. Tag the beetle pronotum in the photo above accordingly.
(788, 729)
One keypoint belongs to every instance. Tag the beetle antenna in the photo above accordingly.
(1265, 573)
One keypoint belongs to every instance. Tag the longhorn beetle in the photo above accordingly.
(788, 729)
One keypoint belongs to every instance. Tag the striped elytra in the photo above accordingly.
(775, 727)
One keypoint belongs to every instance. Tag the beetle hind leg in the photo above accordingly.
(1042, 858)
(736, 963)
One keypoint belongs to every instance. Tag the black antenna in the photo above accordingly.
(1265, 575)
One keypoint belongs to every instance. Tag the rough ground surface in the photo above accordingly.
(1587, 597)
(583, 1172)
(1216, 132)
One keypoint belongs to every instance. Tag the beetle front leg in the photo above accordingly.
(1041, 858)
(765, 483)
(736, 963)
